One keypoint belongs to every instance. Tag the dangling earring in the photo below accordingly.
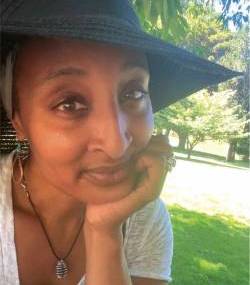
(22, 152)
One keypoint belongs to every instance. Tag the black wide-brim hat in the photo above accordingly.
(175, 72)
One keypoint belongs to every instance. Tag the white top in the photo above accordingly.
(148, 242)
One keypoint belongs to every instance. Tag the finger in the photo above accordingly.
(154, 167)
(159, 143)
(146, 192)
(153, 161)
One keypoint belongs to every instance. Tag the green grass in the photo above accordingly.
(208, 250)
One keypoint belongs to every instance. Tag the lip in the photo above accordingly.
(105, 176)
(108, 169)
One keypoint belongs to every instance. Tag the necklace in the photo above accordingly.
(61, 266)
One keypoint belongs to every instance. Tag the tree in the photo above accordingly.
(202, 117)
(194, 25)
(162, 18)
(238, 58)
(232, 11)
(205, 36)
(238, 15)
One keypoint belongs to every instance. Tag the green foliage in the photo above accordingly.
(194, 25)
(236, 53)
(201, 117)
(234, 12)
(237, 57)
(205, 35)
(162, 18)
(242, 147)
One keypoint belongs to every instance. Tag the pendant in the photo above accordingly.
(61, 269)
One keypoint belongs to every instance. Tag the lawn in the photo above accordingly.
(208, 200)
(208, 250)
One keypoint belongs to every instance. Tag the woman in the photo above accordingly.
(79, 85)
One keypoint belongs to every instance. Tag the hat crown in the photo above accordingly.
(30, 9)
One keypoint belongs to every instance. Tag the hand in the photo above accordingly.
(152, 168)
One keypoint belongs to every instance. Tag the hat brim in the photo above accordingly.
(175, 73)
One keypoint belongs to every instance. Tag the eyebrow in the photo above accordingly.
(65, 71)
(81, 72)
(134, 64)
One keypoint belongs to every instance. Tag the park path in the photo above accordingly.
(209, 189)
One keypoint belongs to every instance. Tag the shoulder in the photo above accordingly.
(5, 168)
(149, 225)
(149, 243)
(6, 162)
(152, 213)
(5, 180)
(7, 242)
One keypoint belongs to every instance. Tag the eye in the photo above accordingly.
(134, 95)
(72, 105)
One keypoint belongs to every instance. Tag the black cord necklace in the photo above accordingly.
(61, 266)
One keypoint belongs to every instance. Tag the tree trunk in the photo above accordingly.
(166, 133)
(245, 157)
(182, 141)
(231, 151)
(189, 149)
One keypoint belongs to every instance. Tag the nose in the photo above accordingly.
(111, 134)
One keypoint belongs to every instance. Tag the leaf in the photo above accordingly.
(147, 8)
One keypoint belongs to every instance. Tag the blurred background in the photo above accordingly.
(208, 192)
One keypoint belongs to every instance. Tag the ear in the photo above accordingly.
(18, 126)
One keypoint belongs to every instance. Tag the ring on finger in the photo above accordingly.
(170, 162)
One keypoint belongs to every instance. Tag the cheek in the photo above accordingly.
(55, 145)
(50, 138)
(142, 128)
(57, 154)
(57, 157)
(51, 142)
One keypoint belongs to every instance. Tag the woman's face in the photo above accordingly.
(84, 107)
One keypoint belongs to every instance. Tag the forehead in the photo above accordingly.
(41, 55)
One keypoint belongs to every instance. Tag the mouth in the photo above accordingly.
(107, 176)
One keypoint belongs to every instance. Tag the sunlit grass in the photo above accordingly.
(210, 267)
(208, 250)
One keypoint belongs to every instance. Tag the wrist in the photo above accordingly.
(106, 262)
(102, 235)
